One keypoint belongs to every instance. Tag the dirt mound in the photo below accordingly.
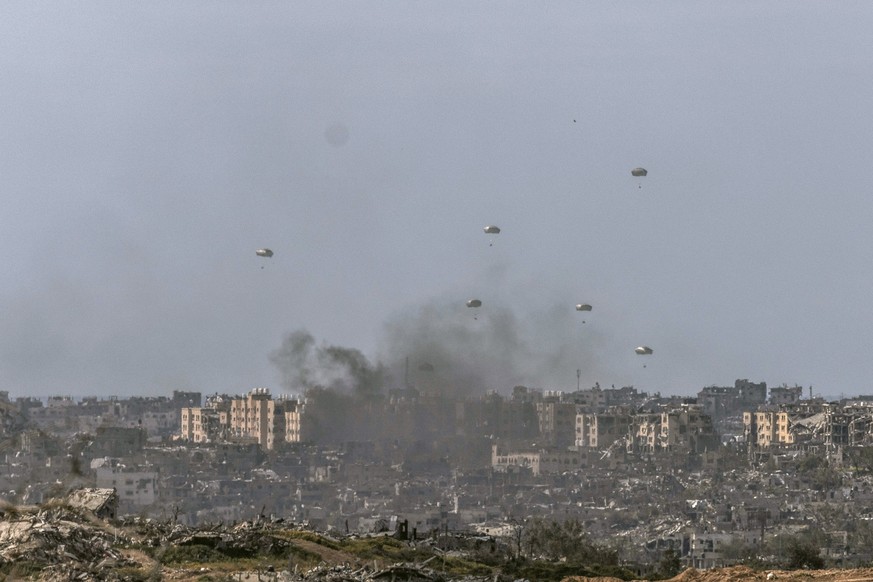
(743, 573)
(732, 574)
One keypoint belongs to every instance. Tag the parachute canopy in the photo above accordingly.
(643, 350)
(491, 229)
(264, 253)
(583, 307)
(639, 172)
(474, 303)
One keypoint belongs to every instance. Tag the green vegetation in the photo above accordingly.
(310, 537)
(234, 559)
(131, 574)
(385, 548)
(566, 542)
(19, 570)
(669, 566)
(802, 553)
(191, 555)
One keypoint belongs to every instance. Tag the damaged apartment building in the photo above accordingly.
(683, 428)
(255, 417)
(810, 423)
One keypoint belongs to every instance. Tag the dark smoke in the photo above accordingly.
(303, 365)
(498, 349)
(340, 385)
(444, 352)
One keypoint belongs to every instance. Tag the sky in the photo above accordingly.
(149, 148)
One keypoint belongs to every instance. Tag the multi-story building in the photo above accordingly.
(590, 400)
(646, 428)
(600, 430)
(137, 487)
(203, 425)
(498, 417)
(861, 427)
(759, 428)
(719, 402)
(686, 428)
(837, 421)
(557, 422)
(784, 434)
(292, 410)
(784, 395)
(682, 427)
(255, 418)
(803, 422)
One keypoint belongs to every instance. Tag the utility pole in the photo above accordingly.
(578, 378)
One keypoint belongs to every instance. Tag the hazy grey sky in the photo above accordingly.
(148, 148)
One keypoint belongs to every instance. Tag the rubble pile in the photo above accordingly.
(338, 573)
(407, 573)
(57, 539)
(62, 543)
(152, 532)
(400, 572)
(244, 540)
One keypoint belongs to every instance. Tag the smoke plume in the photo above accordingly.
(303, 365)
(442, 351)
(455, 353)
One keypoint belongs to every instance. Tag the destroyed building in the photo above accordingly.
(101, 502)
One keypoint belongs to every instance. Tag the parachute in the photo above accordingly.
(643, 351)
(474, 303)
(639, 172)
(426, 367)
(583, 307)
(491, 229)
(264, 253)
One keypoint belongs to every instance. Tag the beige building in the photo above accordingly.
(646, 430)
(505, 460)
(760, 428)
(538, 462)
(203, 425)
(292, 410)
(766, 428)
(681, 427)
(686, 428)
(254, 417)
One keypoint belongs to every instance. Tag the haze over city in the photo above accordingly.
(148, 150)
